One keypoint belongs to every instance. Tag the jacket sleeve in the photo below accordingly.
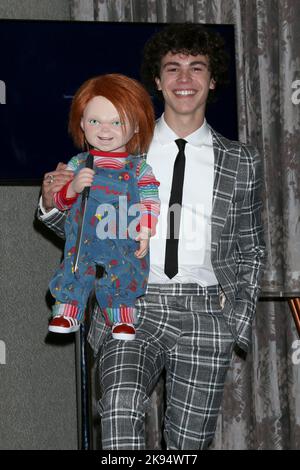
(250, 251)
(55, 221)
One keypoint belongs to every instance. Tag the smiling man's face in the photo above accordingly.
(185, 81)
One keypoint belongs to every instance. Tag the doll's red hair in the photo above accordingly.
(129, 98)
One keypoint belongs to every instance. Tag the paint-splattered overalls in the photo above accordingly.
(105, 242)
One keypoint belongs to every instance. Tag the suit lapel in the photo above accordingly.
(226, 160)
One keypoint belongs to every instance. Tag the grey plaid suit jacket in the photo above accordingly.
(237, 232)
(237, 246)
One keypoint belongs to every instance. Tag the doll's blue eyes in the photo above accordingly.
(94, 122)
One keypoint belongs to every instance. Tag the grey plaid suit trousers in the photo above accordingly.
(182, 329)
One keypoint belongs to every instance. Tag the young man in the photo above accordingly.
(205, 261)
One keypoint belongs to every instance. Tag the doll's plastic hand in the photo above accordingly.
(53, 182)
(144, 239)
(83, 178)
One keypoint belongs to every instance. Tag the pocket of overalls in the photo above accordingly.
(108, 190)
(109, 196)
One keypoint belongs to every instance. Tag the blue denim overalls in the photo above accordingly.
(108, 241)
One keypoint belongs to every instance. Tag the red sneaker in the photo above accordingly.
(61, 324)
(124, 331)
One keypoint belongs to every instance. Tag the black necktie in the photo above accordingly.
(174, 212)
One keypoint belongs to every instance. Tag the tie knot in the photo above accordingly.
(180, 144)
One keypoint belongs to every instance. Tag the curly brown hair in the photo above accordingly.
(190, 39)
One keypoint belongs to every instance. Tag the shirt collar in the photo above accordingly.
(165, 135)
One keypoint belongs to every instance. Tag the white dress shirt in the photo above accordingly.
(194, 247)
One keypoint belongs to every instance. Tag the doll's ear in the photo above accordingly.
(81, 124)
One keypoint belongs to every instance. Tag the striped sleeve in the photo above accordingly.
(60, 199)
(149, 198)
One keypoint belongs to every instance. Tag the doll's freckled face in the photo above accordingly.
(103, 128)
